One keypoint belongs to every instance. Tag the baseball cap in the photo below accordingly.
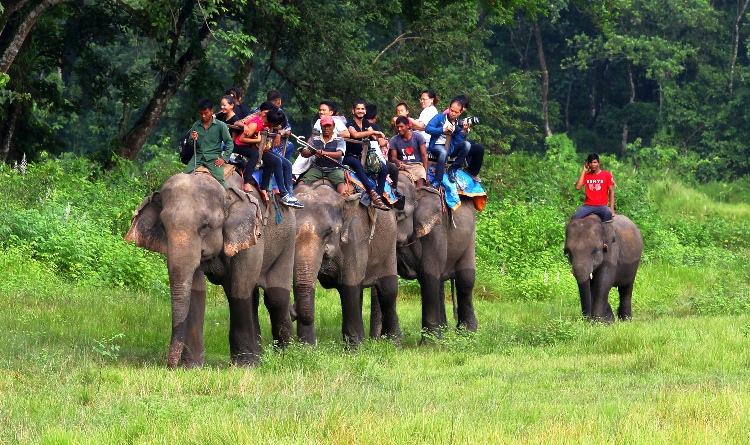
(326, 120)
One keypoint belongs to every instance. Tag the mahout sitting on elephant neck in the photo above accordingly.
(602, 256)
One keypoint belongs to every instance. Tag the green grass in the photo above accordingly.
(86, 365)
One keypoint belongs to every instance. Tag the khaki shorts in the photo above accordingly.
(415, 170)
(336, 176)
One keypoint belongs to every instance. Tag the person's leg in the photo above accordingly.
(476, 158)
(604, 212)
(286, 172)
(356, 165)
(381, 180)
(393, 173)
(441, 154)
(460, 151)
(289, 151)
(270, 166)
(252, 154)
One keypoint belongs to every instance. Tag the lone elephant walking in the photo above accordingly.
(604, 255)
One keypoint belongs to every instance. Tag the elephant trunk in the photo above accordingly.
(183, 258)
(584, 290)
(307, 262)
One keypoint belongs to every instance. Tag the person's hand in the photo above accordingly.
(219, 162)
(318, 153)
(585, 167)
(194, 135)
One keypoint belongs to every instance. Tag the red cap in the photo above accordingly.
(326, 120)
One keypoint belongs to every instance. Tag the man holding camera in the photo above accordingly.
(447, 129)
(600, 188)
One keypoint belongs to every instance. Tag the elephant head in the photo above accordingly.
(587, 245)
(190, 220)
(322, 228)
(422, 211)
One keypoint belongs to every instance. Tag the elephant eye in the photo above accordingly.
(327, 232)
(595, 251)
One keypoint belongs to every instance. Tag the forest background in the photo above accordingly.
(95, 93)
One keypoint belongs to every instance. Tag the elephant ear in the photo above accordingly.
(348, 213)
(608, 232)
(146, 229)
(243, 220)
(428, 212)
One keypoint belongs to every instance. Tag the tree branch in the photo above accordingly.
(22, 31)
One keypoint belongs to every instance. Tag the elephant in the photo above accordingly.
(433, 246)
(345, 247)
(603, 255)
(207, 231)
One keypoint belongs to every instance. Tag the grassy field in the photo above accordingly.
(82, 365)
(86, 322)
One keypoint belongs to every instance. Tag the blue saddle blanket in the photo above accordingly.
(464, 185)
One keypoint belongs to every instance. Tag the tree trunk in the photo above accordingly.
(545, 80)
(625, 125)
(736, 41)
(7, 131)
(146, 123)
(20, 33)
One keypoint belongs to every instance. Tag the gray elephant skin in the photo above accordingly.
(207, 231)
(604, 255)
(433, 246)
(334, 246)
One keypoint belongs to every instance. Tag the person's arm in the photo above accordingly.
(579, 183)
(423, 152)
(354, 134)
(435, 127)
(250, 136)
(612, 198)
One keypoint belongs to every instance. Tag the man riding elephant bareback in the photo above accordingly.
(600, 186)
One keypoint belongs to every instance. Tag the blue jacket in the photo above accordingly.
(435, 128)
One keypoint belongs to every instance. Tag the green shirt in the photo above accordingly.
(208, 147)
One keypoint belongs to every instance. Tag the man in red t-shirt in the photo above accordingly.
(600, 187)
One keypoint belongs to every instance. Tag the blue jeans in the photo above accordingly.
(282, 173)
(441, 154)
(603, 212)
(467, 149)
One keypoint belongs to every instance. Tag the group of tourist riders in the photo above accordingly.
(337, 145)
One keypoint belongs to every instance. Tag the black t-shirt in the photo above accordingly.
(353, 148)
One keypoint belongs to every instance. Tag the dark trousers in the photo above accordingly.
(356, 165)
(604, 212)
(252, 154)
(475, 153)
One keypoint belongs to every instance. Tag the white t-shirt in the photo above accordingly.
(425, 117)
(338, 125)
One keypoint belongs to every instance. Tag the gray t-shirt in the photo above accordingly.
(408, 151)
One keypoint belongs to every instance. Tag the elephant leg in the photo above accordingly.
(277, 302)
(433, 306)
(194, 351)
(256, 305)
(387, 292)
(625, 310)
(464, 299)
(352, 328)
(376, 315)
(244, 337)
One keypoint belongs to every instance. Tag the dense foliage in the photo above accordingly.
(70, 215)
(653, 81)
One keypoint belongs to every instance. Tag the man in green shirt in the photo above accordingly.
(209, 133)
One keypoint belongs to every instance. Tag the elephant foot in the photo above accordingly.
(469, 324)
(431, 336)
(174, 355)
(245, 360)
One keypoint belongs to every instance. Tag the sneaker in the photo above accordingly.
(291, 201)
(476, 178)
(377, 202)
(294, 202)
(452, 174)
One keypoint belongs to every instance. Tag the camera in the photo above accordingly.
(469, 120)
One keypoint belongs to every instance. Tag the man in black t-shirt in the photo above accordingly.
(360, 128)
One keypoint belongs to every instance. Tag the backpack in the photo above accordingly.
(186, 148)
(373, 165)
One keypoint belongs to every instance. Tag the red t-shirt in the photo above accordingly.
(258, 120)
(597, 186)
